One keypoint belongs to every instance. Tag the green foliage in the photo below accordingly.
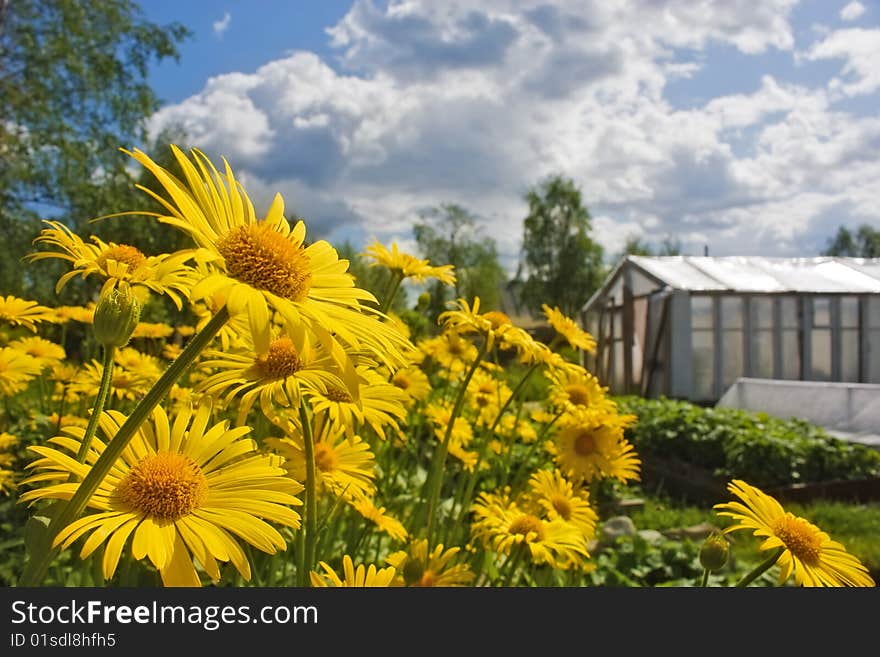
(763, 450)
(864, 243)
(73, 90)
(449, 235)
(635, 245)
(562, 264)
(634, 561)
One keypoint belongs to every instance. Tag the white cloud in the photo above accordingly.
(860, 48)
(220, 26)
(852, 11)
(474, 102)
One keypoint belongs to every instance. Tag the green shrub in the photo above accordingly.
(732, 443)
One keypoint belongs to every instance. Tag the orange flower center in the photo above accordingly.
(585, 444)
(800, 537)
(281, 361)
(402, 380)
(263, 258)
(562, 506)
(325, 458)
(166, 485)
(578, 394)
(527, 524)
(339, 395)
(123, 253)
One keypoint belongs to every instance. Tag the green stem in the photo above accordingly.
(435, 478)
(759, 570)
(307, 555)
(394, 287)
(100, 402)
(36, 568)
(705, 579)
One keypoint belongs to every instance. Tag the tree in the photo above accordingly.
(449, 235)
(73, 90)
(561, 264)
(865, 243)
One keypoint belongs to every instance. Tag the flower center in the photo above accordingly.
(166, 485)
(401, 380)
(123, 253)
(325, 457)
(562, 506)
(578, 394)
(527, 524)
(339, 395)
(800, 537)
(585, 444)
(281, 361)
(263, 258)
(496, 318)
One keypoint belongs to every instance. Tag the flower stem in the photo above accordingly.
(100, 402)
(760, 568)
(307, 554)
(435, 476)
(704, 581)
(36, 568)
(393, 288)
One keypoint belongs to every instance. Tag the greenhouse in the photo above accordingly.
(688, 327)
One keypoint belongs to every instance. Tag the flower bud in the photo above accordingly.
(714, 551)
(413, 570)
(116, 317)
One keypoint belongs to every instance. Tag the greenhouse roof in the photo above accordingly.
(760, 274)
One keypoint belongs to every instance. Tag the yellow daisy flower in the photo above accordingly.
(345, 467)
(21, 312)
(290, 367)
(17, 369)
(259, 266)
(414, 383)
(391, 526)
(568, 329)
(449, 350)
(592, 447)
(7, 481)
(179, 490)
(574, 388)
(361, 576)
(153, 331)
(115, 263)
(82, 314)
(45, 352)
(418, 567)
(171, 351)
(806, 550)
(139, 363)
(124, 383)
(551, 491)
(408, 266)
(502, 525)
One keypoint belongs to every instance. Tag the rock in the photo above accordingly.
(694, 532)
(614, 528)
(651, 535)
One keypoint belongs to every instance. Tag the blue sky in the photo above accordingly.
(752, 128)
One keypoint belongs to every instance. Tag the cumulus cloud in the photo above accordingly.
(220, 26)
(474, 102)
(852, 11)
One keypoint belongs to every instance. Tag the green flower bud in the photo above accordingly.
(714, 551)
(116, 317)
(413, 570)
(423, 300)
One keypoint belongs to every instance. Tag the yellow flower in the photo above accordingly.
(391, 526)
(408, 266)
(573, 388)
(807, 551)
(149, 330)
(414, 383)
(551, 491)
(361, 576)
(502, 525)
(592, 447)
(344, 467)
(45, 352)
(277, 378)
(568, 329)
(17, 369)
(449, 350)
(179, 490)
(260, 266)
(115, 263)
(21, 312)
(85, 315)
(417, 567)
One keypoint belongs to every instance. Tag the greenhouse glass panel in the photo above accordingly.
(788, 307)
(874, 356)
(731, 313)
(701, 313)
(849, 354)
(849, 312)
(820, 352)
(731, 357)
(874, 312)
(704, 364)
(762, 354)
(791, 355)
(821, 311)
(762, 312)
